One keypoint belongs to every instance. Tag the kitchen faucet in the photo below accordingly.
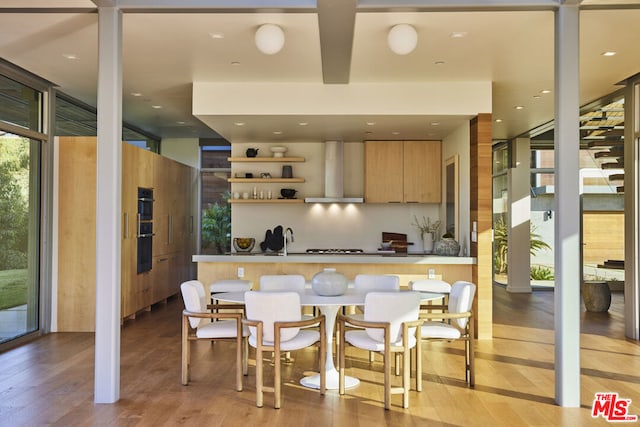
(288, 230)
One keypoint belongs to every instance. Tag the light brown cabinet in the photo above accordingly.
(76, 225)
(403, 172)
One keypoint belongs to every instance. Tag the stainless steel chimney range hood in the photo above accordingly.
(334, 176)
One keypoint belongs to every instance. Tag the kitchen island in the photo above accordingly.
(407, 266)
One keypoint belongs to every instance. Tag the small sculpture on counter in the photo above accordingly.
(273, 240)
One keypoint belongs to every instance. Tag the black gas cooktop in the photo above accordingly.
(335, 251)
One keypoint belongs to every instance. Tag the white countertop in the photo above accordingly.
(336, 259)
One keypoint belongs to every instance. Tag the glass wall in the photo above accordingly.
(601, 189)
(20, 155)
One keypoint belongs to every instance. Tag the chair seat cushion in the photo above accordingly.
(439, 330)
(362, 340)
(231, 285)
(305, 338)
(220, 329)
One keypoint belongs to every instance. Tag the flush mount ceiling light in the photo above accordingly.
(402, 39)
(269, 39)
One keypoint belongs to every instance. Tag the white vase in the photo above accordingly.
(427, 242)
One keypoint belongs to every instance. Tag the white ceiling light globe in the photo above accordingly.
(402, 39)
(269, 39)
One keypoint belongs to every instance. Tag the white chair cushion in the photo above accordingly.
(231, 285)
(362, 340)
(270, 307)
(393, 307)
(220, 329)
(194, 301)
(282, 282)
(439, 330)
(430, 285)
(305, 338)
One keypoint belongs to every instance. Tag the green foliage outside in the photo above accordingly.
(14, 188)
(500, 246)
(539, 272)
(13, 288)
(216, 225)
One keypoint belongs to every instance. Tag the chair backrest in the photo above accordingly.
(461, 300)
(430, 285)
(376, 282)
(270, 307)
(282, 282)
(194, 300)
(394, 307)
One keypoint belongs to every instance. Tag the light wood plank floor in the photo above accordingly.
(50, 381)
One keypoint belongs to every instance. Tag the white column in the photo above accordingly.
(108, 206)
(567, 206)
(632, 209)
(519, 218)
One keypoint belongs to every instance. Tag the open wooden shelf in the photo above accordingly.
(286, 201)
(265, 159)
(265, 180)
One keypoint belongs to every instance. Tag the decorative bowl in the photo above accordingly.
(329, 283)
(288, 193)
(278, 151)
(243, 244)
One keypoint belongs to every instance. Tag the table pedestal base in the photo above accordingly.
(313, 381)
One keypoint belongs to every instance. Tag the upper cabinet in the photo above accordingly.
(403, 172)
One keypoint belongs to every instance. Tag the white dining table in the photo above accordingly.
(328, 306)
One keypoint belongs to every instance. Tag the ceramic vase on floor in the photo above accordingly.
(427, 243)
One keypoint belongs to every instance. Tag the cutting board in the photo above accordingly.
(399, 241)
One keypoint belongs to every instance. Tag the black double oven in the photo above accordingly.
(145, 229)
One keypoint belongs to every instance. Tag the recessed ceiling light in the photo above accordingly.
(180, 122)
(70, 55)
(136, 94)
(277, 132)
(519, 107)
(303, 123)
(439, 63)
(157, 107)
(371, 123)
(395, 132)
(239, 123)
(435, 123)
(545, 91)
(458, 34)
(608, 53)
(235, 62)
(498, 120)
(216, 35)
(368, 132)
(537, 96)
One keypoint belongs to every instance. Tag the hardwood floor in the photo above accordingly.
(50, 381)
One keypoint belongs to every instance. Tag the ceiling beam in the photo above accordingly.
(336, 20)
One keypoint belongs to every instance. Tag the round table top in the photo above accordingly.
(310, 298)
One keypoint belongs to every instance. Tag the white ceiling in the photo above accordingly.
(165, 52)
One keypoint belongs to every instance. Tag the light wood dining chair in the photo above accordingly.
(275, 325)
(391, 325)
(197, 325)
(455, 323)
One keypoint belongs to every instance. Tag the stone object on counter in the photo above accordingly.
(329, 283)
(447, 246)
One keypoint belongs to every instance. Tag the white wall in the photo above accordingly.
(458, 143)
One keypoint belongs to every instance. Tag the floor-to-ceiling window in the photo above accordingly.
(21, 113)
